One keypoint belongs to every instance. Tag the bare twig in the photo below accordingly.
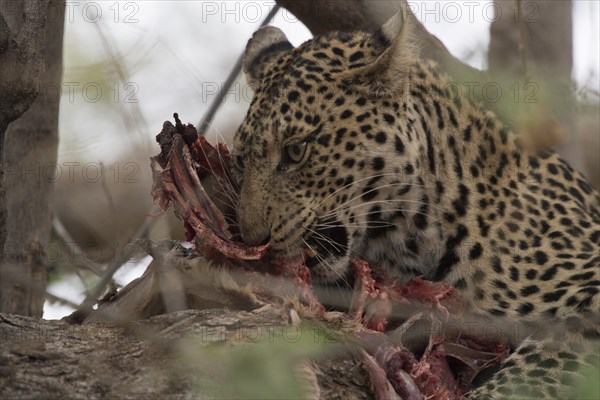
(135, 120)
(56, 299)
(110, 202)
(121, 257)
(235, 71)
(80, 258)
(522, 39)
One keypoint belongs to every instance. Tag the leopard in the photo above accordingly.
(355, 146)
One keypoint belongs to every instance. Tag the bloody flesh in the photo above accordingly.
(186, 159)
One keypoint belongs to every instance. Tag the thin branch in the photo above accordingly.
(135, 119)
(119, 260)
(56, 299)
(80, 258)
(109, 199)
(522, 40)
(235, 71)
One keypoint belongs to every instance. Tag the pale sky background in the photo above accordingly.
(174, 54)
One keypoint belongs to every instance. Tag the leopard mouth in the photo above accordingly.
(327, 243)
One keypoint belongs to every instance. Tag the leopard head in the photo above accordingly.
(323, 143)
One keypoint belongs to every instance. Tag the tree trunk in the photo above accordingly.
(33, 62)
(532, 37)
(531, 48)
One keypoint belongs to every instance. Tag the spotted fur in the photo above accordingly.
(401, 171)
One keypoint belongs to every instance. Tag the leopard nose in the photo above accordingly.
(255, 235)
(252, 209)
(252, 226)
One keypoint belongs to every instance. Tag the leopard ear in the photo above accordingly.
(388, 75)
(262, 50)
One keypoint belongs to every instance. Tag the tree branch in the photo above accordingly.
(369, 15)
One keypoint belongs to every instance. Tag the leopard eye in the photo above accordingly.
(296, 152)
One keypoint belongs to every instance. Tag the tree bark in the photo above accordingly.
(171, 356)
(532, 37)
(32, 60)
(532, 42)
(21, 64)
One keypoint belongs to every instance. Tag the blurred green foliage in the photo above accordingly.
(263, 362)
(589, 386)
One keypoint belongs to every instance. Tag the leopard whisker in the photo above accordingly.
(322, 260)
(362, 180)
(384, 187)
(337, 246)
(335, 211)
(226, 185)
